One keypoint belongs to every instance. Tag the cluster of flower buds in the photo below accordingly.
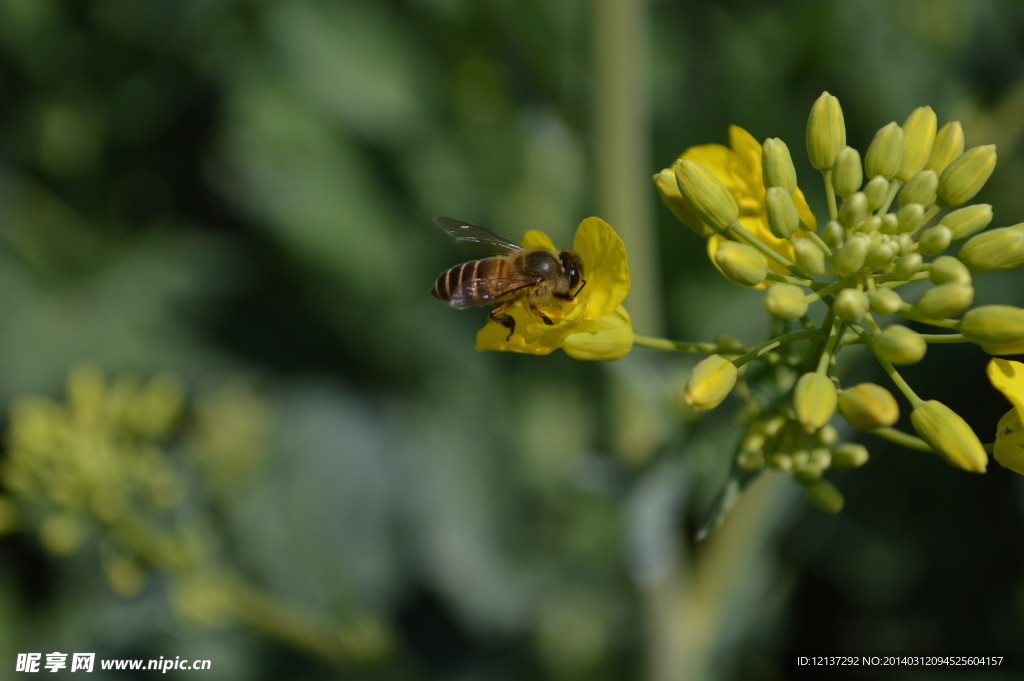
(893, 214)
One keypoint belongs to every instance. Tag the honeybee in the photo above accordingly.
(511, 274)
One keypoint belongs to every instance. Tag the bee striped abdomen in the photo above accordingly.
(490, 277)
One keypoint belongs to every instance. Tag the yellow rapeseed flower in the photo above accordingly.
(739, 168)
(1008, 378)
(594, 326)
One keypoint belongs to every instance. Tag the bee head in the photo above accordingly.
(573, 268)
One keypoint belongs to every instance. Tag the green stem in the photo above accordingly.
(894, 187)
(830, 194)
(683, 346)
(786, 279)
(905, 439)
(909, 313)
(754, 353)
(825, 248)
(832, 288)
(889, 369)
(834, 335)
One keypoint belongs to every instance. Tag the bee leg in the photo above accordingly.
(543, 317)
(506, 320)
(570, 296)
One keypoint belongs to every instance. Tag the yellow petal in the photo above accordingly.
(536, 239)
(749, 151)
(604, 267)
(803, 210)
(1008, 378)
(1009, 448)
(607, 338)
(493, 335)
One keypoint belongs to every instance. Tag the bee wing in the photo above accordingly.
(475, 238)
(476, 292)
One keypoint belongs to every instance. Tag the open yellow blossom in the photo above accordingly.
(1008, 378)
(738, 167)
(594, 326)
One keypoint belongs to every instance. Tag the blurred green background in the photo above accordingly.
(240, 193)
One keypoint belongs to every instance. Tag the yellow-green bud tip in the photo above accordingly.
(918, 141)
(900, 346)
(710, 200)
(991, 249)
(710, 382)
(777, 165)
(949, 435)
(826, 132)
(868, 405)
(885, 152)
(741, 263)
(967, 174)
(814, 400)
(668, 189)
(998, 329)
(783, 219)
(786, 301)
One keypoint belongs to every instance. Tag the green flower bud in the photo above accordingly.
(948, 270)
(808, 472)
(850, 305)
(783, 219)
(884, 301)
(877, 191)
(944, 301)
(900, 346)
(1018, 258)
(968, 221)
(890, 224)
(849, 455)
(750, 461)
(786, 301)
(814, 400)
(833, 234)
(920, 189)
(826, 132)
(706, 195)
(949, 143)
(847, 174)
(998, 329)
(854, 210)
(809, 258)
(850, 257)
(935, 240)
(871, 225)
(989, 250)
(885, 152)
(779, 461)
(909, 218)
(825, 496)
(880, 255)
(668, 189)
(949, 435)
(820, 457)
(710, 382)
(909, 265)
(741, 263)
(827, 436)
(918, 140)
(868, 406)
(967, 174)
(777, 165)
